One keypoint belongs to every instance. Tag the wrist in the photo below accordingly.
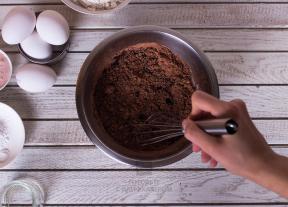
(263, 167)
(273, 174)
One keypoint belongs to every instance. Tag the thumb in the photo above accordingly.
(197, 136)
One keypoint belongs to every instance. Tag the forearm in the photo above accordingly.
(274, 175)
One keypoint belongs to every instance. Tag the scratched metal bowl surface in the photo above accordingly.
(102, 56)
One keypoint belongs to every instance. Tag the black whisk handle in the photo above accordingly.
(218, 127)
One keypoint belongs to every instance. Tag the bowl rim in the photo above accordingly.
(10, 68)
(18, 125)
(48, 61)
(83, 116)
(74, 6)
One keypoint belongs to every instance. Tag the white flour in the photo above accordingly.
(4, 139)
(95, 5)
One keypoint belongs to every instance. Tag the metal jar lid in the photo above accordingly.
(59, 52)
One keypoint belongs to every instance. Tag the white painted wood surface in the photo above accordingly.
(90, 158)
(207, 39)
(231, 68)
(59, 102)
(136, 187)
(70, 132)
(247, 43)
(177, 16)
(145, 1)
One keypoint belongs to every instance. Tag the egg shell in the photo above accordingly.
(18, 24)
(53, 27)
(35, 78)
(35, 47)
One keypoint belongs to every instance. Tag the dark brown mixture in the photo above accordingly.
(143, 79)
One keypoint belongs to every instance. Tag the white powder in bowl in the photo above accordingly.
(96, 5)
(4, 139)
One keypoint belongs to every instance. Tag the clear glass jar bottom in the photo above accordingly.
(30, 186)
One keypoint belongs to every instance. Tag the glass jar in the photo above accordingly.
(30, 186)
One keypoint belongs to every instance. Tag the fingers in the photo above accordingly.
(205, 157)
(195, 148)
(240, 104)
(198, 137)
(213, 163)
(202, 101)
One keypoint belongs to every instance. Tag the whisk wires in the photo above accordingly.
(159, 128)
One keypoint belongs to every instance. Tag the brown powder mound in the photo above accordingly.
(143, 79)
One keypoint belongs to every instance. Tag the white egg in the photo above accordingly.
(35, 47)
(18, 24)
(35, 78)
(52, 27)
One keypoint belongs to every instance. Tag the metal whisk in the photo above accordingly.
(159, 128)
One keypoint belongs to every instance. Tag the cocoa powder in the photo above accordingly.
(142, 80)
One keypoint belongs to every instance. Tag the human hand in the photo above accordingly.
(243, 153)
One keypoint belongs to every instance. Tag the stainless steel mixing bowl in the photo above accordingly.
(101, 57)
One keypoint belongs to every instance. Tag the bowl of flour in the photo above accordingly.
(95, 7)
(12, 134)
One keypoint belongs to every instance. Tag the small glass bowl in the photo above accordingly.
(31, 186)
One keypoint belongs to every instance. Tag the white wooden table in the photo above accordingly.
(247, 43)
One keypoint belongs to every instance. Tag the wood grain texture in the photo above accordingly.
(231, 68)
(203, 1)
(144, 1)
(250, 68)
(67, 70)
(177, 15)
(136, 187)
(59, 102)
(170, 205)
(90, 158)
(65, 133)
(206, 39)
(81, 174)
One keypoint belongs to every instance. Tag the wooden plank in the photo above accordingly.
(90, 158)
(142, 1)
(67, 70)
(136, 187)
(177, 15)
(206, 39)
(65, 133)
(174, 205)
(59, 102)
(250, 68)
(231, 68)
(205, 1)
